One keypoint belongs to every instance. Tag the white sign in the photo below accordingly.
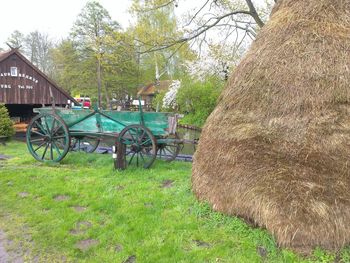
(8, 86)
(25, 87)
(19, 75)
(5, 86)
(136, 102)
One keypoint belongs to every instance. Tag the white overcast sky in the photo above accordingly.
(56, 17)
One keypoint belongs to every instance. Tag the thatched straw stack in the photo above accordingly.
(276, 150)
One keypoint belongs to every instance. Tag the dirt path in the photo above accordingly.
(6, 257)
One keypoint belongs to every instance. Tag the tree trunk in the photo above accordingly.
(99, 80)
(108, 101)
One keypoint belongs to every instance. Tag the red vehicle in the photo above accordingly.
(84, 101)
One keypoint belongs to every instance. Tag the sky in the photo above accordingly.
(54, 17)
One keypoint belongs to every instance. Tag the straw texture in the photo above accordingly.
(276, 149)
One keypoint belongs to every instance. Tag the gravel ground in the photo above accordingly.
(6, 257)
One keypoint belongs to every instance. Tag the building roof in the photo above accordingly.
(154, 88)
(4, 55)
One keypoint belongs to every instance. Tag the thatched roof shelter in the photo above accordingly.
(154, 88)
(276, 150)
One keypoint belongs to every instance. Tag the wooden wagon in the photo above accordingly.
(139, 137)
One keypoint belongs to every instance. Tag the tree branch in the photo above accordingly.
(160, 6)
(198, 33)
(199, 10)
(254, 14)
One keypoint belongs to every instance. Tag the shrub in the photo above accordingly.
(157, 102)
(195, 99)
(6, 125)
(198, 99)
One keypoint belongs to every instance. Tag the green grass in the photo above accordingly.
(128, 209)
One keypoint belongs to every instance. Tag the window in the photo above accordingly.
(14, 71)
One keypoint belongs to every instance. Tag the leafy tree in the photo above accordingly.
(119, 66)
(156, 24)
(157, 102)
(195, 99)
(90, 33)
(96, 54)
(6, 125)
(70, 70)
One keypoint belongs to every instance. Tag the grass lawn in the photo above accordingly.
(81, 210)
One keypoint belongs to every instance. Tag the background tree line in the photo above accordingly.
(100, 55)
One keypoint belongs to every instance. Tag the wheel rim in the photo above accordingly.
(140, 145)
(48, 138)
(169, 151)
(85, 144)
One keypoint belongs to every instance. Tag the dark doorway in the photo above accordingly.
(21, 112)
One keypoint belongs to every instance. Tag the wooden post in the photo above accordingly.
(53, 102)
(119, 155)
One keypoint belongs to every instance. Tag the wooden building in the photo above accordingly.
(147, 93)
(23, 86)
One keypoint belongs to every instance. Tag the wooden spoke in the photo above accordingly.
(43, 156)
(56, 148)
(53, 126)
(59, 137)
(86, 144)
(131, 135)
(41, 145)
(147, 141)
(40, 127)
(47, 126)
(37, 140)
(143, 159)
(170, 150)
(37, 133)
(133, 154)
(51, 151)
(57, 129)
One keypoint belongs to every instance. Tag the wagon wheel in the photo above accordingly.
(86, 144)
(140, 145)
(169, 150)
(48, 138)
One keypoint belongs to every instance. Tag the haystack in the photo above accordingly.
(276, 150)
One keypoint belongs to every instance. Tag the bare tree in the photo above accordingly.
(231, 24)
(37, 48)
(236, 19)
(16, 39)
